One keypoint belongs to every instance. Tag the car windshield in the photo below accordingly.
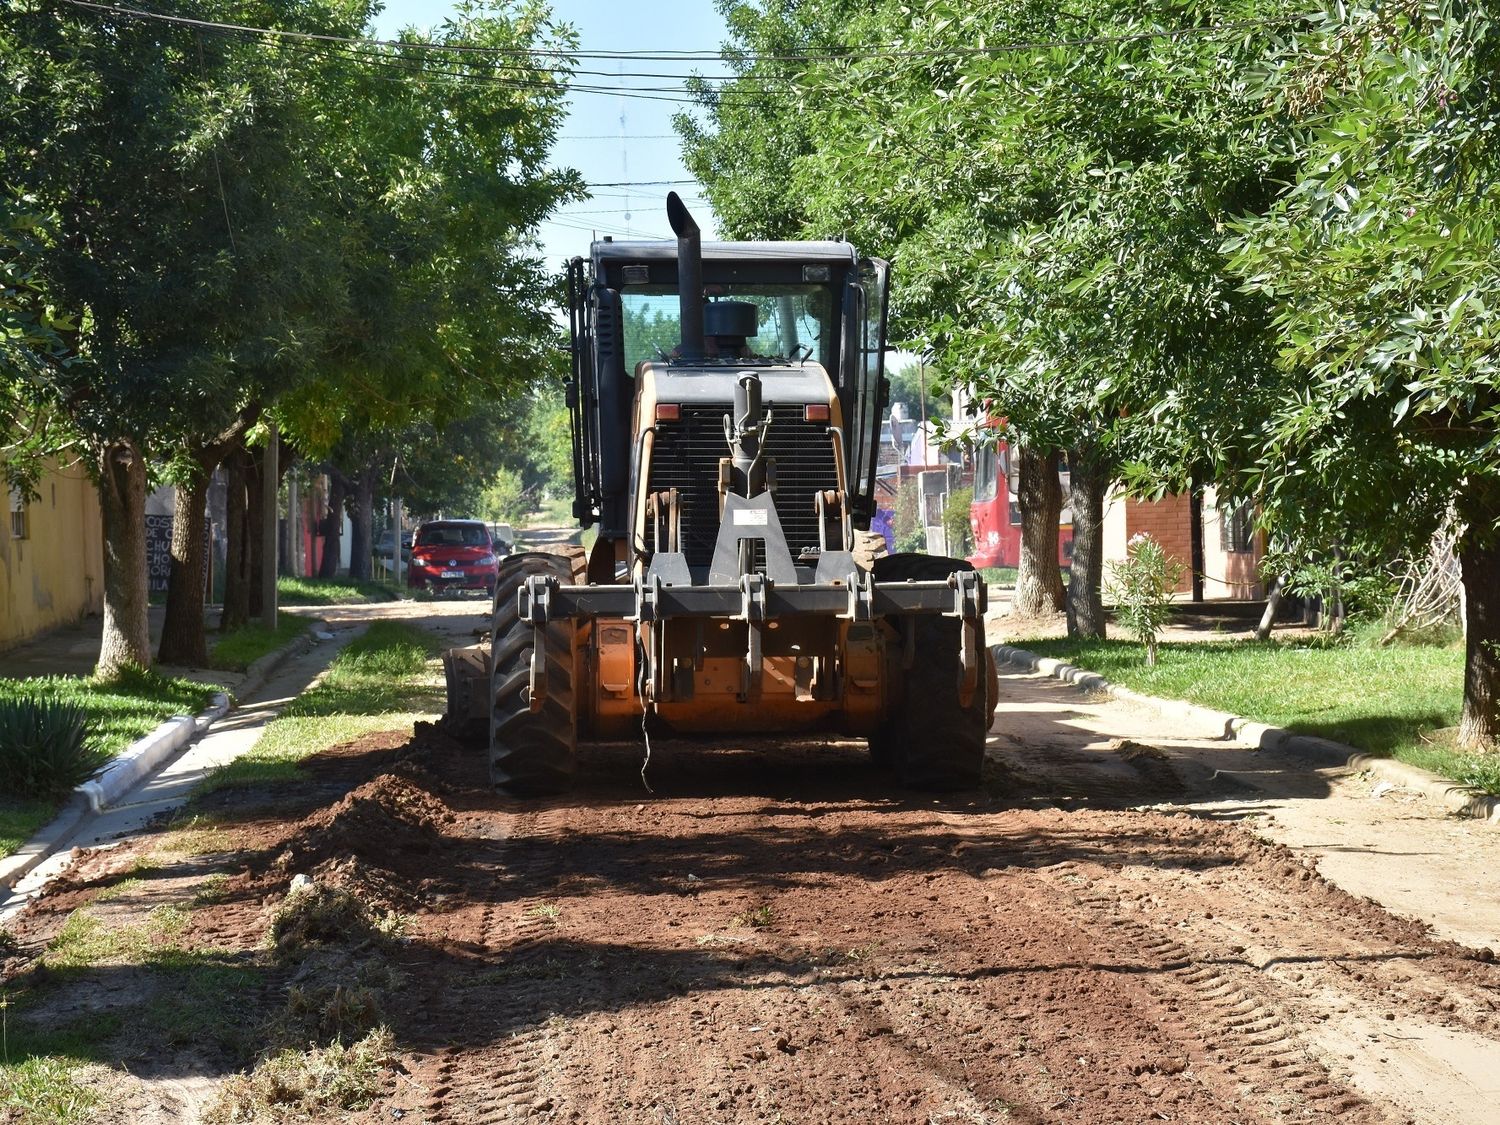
(453, 536)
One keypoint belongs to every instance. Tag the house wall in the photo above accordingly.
(1169, 522)
(1226, 574)
(55, 575)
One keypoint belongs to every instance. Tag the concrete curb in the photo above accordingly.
(139, 760)
(1320, 753)
(44, 841)
(260, 670)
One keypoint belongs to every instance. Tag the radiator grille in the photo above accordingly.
(686, 457)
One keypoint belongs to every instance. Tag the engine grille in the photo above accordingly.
(686, 457)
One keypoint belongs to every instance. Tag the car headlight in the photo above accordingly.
(485, 560)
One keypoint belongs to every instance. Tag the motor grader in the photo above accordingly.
(726, 401)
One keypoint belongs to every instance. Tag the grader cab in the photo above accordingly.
(726, 402)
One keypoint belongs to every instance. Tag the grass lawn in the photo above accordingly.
(1402, 701)
(999, 575)
(333, 591)
(19, 818)
(122, 711)
(237, 649)
(387, 678)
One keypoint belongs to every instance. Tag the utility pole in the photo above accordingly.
(270, 487)
(396, 540)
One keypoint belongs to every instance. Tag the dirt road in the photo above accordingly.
(770, 934)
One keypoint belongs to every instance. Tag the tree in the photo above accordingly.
(1056, 211)
(442, 178)
(343, 239)
(30, 342)
(163, 162)
(1382, 264)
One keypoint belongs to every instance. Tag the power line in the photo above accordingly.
(645, 183)
(875, 53)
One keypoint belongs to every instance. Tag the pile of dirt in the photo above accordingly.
(382, 841)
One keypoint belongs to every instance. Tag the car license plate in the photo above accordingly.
(453, 574)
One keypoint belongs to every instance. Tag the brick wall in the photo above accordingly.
(1169, 522)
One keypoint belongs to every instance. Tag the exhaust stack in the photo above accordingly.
(689, 276)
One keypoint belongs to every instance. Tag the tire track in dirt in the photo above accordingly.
(780, 938)
(500, 1082)
(1260, 959)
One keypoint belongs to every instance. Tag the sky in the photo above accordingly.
(610, 139)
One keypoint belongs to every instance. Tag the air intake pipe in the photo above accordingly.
(689, 276)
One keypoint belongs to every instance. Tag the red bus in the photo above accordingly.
(995, 516)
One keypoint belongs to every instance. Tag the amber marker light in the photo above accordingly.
(816, 412)
(668, 411)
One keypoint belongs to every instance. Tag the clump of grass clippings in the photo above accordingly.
(212, 891)
(294, 1085)
(756, 918)
(321, 915)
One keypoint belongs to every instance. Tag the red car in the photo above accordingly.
(453, 555)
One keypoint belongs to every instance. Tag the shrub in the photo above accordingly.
(956, 523)
(1142, 588)
(906, 526)
(47, 746)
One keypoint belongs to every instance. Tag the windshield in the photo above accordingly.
(453, 536)
(792, 319)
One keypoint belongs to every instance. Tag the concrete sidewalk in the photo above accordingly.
(73, 650)
(1373, 839)
(169, 787)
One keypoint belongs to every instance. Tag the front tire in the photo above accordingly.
(532, 752)
(934, 739)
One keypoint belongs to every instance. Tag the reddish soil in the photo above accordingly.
(771, 935)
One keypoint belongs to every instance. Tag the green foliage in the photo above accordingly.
(19, 819)
(47, 746)
(238, 649)
(1142, 586)
(1395, 700)
(330, 591)
(956, 523)
(505, 500)
(906, 526)
(121, 709)
(906, 380)
(1381, 262)
(43, 1091)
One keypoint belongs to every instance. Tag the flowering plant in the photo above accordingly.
(1142, 587)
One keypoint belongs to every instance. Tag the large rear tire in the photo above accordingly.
(934, 740)
(532, 752)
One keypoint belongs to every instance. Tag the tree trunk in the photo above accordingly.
(255, 556)
(122, 498)
(182, 640)
(1039, 585)
(1479, 561)
(333, 524)
(1273, 603)
(361, 548)
(237, 548)
(1089, 482)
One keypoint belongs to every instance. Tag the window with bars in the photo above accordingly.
(18, 522)
(1237, 528)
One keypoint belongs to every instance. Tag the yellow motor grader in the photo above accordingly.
(726, 402)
